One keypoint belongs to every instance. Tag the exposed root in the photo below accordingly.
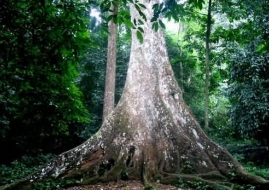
(176, 178)
(16, 183)
(146, 183)
(96, 168)
(125, 148)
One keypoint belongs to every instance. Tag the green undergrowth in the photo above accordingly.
(262, 170)
(21, 168)
(254, 168)
(55, 184)
(27, 165)
(200, 185)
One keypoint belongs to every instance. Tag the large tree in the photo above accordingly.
(151, 134)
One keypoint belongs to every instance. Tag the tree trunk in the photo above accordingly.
(207, 64)
(181, 85)
(151, 135)
(109, 97)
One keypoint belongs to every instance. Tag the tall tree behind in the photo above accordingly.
(93, 68)
(207, 63)
(109, 97)
(180, 30)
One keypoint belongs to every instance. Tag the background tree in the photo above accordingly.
(109, 97)
(207, 63)
(93, 69)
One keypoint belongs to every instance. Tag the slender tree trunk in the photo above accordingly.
(109, 97)
(207, 65)
(181, 76)
(180, 30)
(151, 135)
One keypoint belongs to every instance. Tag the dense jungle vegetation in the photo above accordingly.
(52, 75)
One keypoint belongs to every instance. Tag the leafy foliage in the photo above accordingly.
(25, 166)
(92, 81)
(21, 168)
(41, 106)
(249, 93)
(262, 171)
(246, 53)
(56, 184)
(123, 15)
(197, 185)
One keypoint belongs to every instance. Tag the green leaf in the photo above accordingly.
(120, 20)
(140, 21)
(115, 4)
(155, 26)
(128, 23)
(175, 16)
(154, 18)
(168, 15)
(137, 8)
(143, 15)
(110, 17)
(142, 5)
(261, 48)
(200, 4)
(134, 21)
(162, 24)
(139, 36)
(197, 3)
(155, 6)
(141, 29)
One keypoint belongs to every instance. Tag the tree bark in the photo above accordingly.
(109, 97)
(151, 135)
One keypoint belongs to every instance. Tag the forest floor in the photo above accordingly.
(122, 185)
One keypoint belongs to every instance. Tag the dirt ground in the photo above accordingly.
(122, 185)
